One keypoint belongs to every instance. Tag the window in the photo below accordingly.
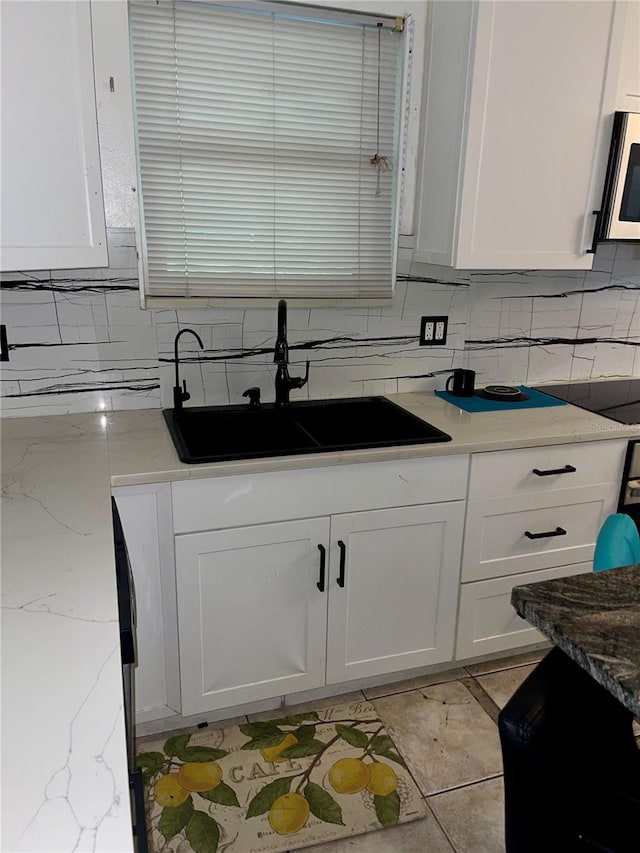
(267, 149)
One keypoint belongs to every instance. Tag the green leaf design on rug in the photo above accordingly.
(222, 794)
(203, 833)
(256, 730)
(387, 808)
(150, 763)
(296, 719)
(264, 742)
(304, 733)
(301, 750)
(381, 743)
(174, 745)
(199, 754)
(174, 819)
(393, 756)
(267, 796)
(322, 804)
(352, 736)
(263, 735)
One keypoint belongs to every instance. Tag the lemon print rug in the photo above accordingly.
(277, 785)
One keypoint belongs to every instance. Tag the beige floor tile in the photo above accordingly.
(473, 817)
(506, 663)
(414, 683)
(420, 836)
(443, 734)
(329, 702)
(502, 685)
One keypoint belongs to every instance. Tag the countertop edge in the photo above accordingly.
(554, 633)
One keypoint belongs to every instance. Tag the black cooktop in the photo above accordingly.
(618, 399)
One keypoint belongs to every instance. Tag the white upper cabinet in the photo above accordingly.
(628, 96)
(519, 96)
(52, 210)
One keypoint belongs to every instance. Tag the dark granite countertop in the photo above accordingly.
(595, 620)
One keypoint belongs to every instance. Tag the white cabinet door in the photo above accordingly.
(393, 587)
(628, 95)
(52, 210)
(515, 148)
(145, 513)
(251, 618)
(486, 620)
(508, 535)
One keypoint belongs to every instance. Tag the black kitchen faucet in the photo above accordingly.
(284, 382)
(180, 393)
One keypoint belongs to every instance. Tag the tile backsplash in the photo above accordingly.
(79, 341)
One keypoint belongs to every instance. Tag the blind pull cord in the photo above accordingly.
(380, 164)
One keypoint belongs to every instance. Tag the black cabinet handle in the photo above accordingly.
(557, 532)
(343, 560)
(136, 785)
(323, 563)
(596, 231)
(568, 469)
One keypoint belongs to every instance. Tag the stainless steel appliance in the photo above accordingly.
(629, 502)
(127, 616)
(619, 216)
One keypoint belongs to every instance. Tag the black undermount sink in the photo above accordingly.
(219, 433)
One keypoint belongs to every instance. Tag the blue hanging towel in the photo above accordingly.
(618, 543)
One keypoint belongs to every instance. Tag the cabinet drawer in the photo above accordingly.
(218, 502)
(511, 472)
(486, 620)
(496, 543)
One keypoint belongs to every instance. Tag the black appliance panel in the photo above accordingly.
(618, 399)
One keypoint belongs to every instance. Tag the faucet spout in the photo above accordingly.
(281, 349)
(181, 394)
(284, 382)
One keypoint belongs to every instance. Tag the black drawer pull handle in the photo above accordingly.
(568, 469)
(323, 563)
(557, 532)
(343, 559)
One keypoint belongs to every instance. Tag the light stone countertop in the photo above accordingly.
(595, 620)
(141, 450)
(63, 744)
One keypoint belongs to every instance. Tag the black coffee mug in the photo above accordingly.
(463, 382)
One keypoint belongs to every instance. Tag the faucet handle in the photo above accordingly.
(254, 397)
(180, 395)
(299, 381)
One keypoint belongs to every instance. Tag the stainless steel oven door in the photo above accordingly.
(622, 213)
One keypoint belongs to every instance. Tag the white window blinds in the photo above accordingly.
(256, 127)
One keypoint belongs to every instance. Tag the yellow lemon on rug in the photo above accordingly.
(272, 753)
(200, 775)
(383, 779)
(288, 814)
(349, 775)
(169, 792)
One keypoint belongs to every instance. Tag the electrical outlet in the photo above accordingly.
(4, 346)
(433, 331)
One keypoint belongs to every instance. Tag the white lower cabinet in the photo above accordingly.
(533, 514)
(400, 571)
(273, 609)
(486, 620)
(145, 513)
(251, 619)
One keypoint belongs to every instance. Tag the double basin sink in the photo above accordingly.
(220, 433)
